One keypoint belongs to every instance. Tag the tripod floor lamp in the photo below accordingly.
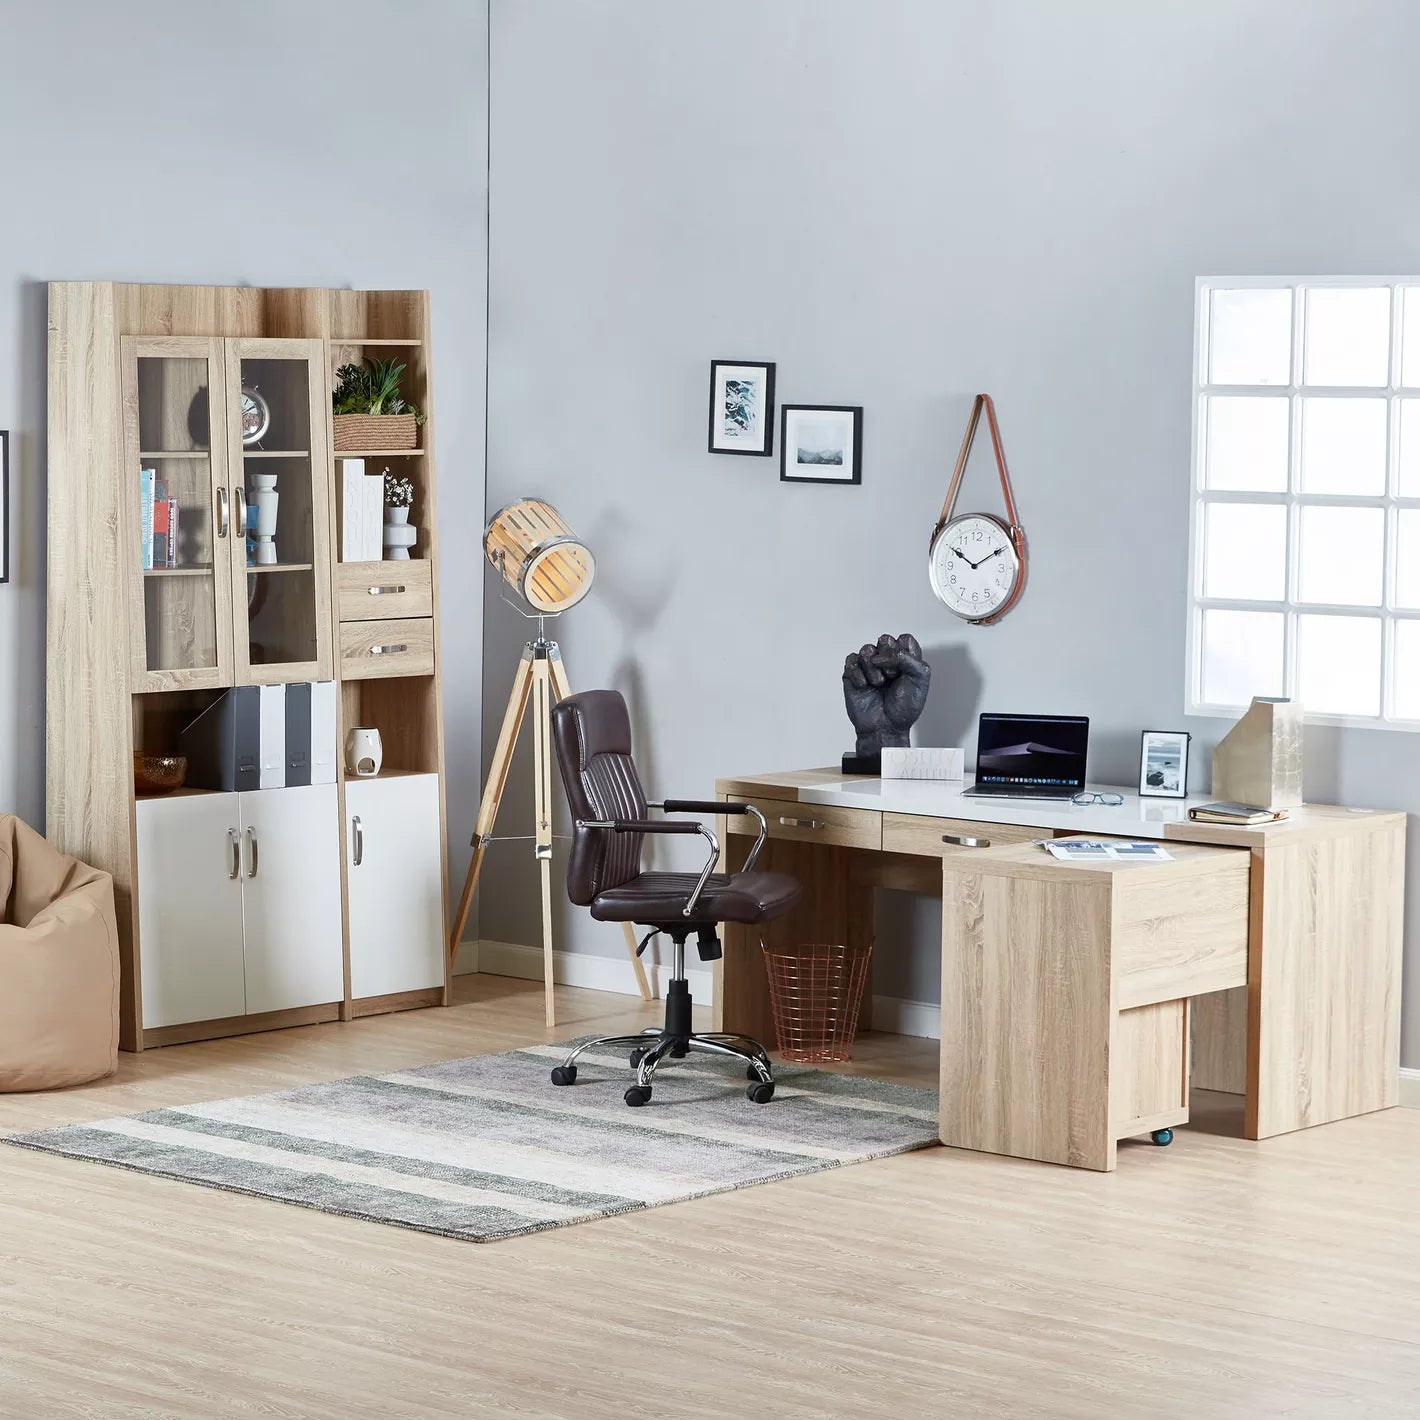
(551, 570)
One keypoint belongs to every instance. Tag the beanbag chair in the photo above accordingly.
(58, 965)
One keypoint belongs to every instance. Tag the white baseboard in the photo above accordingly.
(891, 1013)
(1410, 1088)
(599, 973)
(596, 973)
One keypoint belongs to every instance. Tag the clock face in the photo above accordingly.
(973, 567)
(256, 416)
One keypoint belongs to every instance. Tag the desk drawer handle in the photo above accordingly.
(802, 822)
(961, 842)
(392, 650)
(383, 591)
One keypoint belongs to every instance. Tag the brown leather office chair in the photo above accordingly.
(592, 735)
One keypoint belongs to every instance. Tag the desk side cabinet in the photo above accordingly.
(193, 549)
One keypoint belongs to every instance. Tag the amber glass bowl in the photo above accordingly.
(158, 773)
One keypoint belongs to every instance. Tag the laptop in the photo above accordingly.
(1030, 756)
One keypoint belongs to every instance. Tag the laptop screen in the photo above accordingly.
(1047, 751)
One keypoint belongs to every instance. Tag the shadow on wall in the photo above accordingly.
(953, 702)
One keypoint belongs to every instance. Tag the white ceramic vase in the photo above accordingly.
(364, 753)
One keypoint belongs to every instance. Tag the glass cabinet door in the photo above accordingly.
(277, 418)
(178, 527)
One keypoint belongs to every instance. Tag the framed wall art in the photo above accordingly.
(742, 407)
(4, 505)
(821, 443)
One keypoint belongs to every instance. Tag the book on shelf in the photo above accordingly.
(146, 480)
(172, 532)
(162, 531)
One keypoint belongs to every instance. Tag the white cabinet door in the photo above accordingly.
(291, 891)
(394, 876)
(190, 909)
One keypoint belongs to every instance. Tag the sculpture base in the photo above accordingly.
(864, 764)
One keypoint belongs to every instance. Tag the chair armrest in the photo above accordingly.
(714, 806)
(638, 825)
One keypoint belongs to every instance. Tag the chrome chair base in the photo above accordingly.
(652, 1047)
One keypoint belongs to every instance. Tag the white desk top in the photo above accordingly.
(1136, 817)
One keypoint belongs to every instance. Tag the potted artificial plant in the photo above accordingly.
(369, 411)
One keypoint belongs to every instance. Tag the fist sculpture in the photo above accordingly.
(885, 690)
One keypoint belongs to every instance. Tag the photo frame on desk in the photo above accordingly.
(1163, 764)
(4, 506)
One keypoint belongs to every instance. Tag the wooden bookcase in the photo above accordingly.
(342, 918)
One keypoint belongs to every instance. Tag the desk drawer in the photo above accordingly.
(373, 649)
(1182, 934)
(812, 823)
(926, 836)
(369, 591)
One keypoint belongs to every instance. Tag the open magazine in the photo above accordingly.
(1097, 851)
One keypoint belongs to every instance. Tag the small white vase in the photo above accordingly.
(364, 753)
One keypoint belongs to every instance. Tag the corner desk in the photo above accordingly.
(1080, 1001)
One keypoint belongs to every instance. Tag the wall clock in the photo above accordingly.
(256, 415)
(976, 562)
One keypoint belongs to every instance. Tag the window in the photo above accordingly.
(1305, 561)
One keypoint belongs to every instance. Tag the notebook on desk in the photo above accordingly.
(1030, 756)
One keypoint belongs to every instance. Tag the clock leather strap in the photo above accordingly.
(1013, 527)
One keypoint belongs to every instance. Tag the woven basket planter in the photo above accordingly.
(375, 432)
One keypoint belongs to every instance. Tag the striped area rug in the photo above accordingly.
(488, 1148)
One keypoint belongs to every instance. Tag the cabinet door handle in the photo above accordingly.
(241, 511)
(962, 842)
(384, 591)
(222, 512)
(802, 822)
(253, 849)
(234, 842)
(359, 847)
(392, 650)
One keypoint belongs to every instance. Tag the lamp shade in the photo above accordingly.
(539, 556)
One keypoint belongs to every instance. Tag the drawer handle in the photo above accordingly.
(384, 591)
(392, 650)
(802, 822)
(962, 842)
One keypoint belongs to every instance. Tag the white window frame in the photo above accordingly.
(1293, 499)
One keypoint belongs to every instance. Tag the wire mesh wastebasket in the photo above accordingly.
(816, 991)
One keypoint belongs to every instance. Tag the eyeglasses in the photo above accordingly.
(1092, 797)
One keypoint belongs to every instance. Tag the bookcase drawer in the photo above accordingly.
(369, 591)
(373, 649)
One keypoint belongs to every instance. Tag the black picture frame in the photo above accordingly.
(4, 506)
(715, 442)
(1148, 791)
(788, 473)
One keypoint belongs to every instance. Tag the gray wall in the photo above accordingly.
(170, 142)
(903, 203)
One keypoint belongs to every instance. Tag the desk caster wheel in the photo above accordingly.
(1162, 1137)
(761, 1092)
(637, 1095)
(751, 1074)
(564, 1075)
(636, 1056)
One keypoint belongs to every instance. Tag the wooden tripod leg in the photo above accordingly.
(542, 809)
(493, 789)
(561, 690)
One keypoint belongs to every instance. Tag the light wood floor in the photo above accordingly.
(1214, 1278)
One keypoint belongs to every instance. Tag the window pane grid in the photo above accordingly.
(1342, 630)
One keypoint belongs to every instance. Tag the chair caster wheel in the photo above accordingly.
(1162, 1137)
(636, 1057)
(679, 1052)
(761, 1092)
(564, 1074)
(751, 1074)
(638, 1095)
